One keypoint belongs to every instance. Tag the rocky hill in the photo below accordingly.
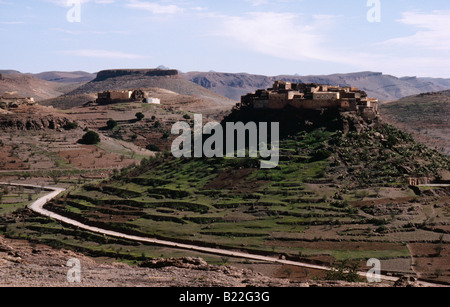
(32, 118)
(124, 79)
(384, 87)
(427, 116)
(114, 73)
(29, 86)
(65, 77)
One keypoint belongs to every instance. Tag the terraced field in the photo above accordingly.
(310, 208)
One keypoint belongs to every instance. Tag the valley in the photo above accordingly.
(340, 195)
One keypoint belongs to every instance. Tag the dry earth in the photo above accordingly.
(27, 265)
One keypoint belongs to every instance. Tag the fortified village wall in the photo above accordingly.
(312, 97)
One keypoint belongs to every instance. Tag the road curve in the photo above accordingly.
(38, 207)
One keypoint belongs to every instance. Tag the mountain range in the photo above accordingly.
(234, 85)
(376, 84)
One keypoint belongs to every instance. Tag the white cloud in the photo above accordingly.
(258, 2)
(72, 2)
(104, 54)
(154, 7)
(283, 35)
(433, 31)
(293, 37)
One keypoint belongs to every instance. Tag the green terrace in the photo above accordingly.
(232, 203)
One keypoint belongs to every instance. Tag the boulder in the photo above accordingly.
(405, 281)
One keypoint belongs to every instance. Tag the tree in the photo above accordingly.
(140, 116)
(152, 147)
(111, 124)
(71, 126)
(166, 135)
(90, 138)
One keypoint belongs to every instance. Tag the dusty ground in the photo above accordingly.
(22, 264)
(26, 265)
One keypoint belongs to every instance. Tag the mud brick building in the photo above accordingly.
(12, 100)
(121, 96)
(312, 97)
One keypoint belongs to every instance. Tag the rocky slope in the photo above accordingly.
(29, 86)
(65, 77)
(32, 118)
(125, 79)
(426, 116)
(29, 265)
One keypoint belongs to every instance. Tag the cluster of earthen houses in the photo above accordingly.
(125, 96)
(11, 100)
(312, 97)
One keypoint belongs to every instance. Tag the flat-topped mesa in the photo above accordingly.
(114, 73)
(312, 96)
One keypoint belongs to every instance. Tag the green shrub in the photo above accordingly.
(90, 138)
(71, 126)
(344, 271)
(166, 135)
(111, 124)
(152, 147)
(140, 116)
(321, 154)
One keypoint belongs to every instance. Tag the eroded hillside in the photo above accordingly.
(426, 116)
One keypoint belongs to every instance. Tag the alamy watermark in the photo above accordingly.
(74, 273)
(374, 14)
(74, 13)
(190, 144)
(374, 274)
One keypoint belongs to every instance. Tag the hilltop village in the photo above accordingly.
(312, 97)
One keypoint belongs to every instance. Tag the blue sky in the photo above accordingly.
(270, 37)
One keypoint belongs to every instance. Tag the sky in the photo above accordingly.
(268, 37)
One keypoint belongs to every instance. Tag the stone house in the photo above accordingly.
(120, 96)
(312, 97)
(12, 100)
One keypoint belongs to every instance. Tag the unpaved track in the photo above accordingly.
(38, 207)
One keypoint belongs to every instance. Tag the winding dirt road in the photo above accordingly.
(38, 207)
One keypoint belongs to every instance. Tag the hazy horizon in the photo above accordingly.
(263, 37)
(219, 72)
